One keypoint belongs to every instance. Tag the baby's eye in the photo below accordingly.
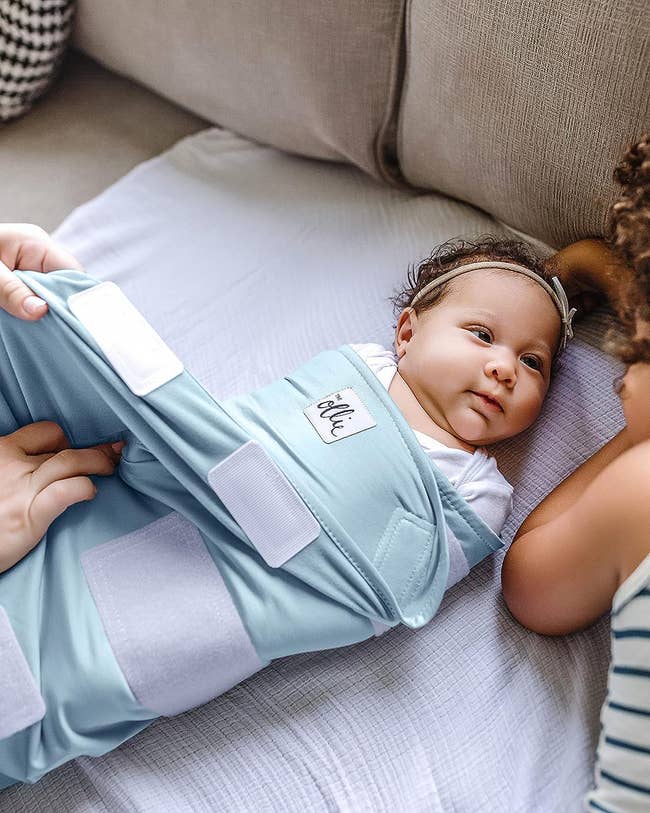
(533, 362)
(482, 333)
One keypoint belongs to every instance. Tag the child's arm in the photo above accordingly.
(30, 248)
(573, 551)
(567, 493)
(41, 476)
(582, 541)
(590, 266)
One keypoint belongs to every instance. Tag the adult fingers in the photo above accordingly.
(30, 248)
(44, 255)
(71, 463)
(43, 439)
(17, 299)
(52, 501)
(38, 438)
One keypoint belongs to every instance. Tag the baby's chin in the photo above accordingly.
(473, 432)
(478, 439)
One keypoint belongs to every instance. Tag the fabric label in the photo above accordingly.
(21, 704)
(133, 348)
(339, 415)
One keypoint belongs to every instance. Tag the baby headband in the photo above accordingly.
(557, 293)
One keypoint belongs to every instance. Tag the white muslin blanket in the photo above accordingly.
(248, 262)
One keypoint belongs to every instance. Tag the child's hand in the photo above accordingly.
(590, 272)
(40, 476)
(29, 248)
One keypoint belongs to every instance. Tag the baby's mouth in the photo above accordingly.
(491, 403)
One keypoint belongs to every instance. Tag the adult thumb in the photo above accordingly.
(17, 299)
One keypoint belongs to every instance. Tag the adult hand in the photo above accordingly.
(29, 248)
(41, 476)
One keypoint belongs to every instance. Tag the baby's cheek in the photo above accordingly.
(533, 410)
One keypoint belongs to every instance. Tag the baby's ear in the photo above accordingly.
(404, 330)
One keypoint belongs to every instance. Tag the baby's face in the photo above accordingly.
(479, 362)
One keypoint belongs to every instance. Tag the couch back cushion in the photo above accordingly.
(523, 109)
(313, 78)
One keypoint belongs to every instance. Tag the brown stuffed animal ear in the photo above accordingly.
(33, 40)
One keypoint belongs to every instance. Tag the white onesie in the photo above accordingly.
(475, 475)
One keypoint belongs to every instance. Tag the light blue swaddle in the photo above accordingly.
(300, 517)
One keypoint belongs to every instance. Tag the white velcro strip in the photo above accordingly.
(21, 704)
(379, 627)
(133, 348)
(264, 503)
(169, 617)
(458, 566)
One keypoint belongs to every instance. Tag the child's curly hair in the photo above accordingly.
(455, 252)
(628, 229)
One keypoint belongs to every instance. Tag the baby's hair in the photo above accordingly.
(455, 252)
(628, 229)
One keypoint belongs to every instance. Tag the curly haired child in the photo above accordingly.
(586, 547)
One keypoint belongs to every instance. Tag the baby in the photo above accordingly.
(324, 508)
(476, 345)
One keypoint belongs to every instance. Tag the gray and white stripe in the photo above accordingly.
(623, 764)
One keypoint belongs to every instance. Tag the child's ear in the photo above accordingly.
(404, 330)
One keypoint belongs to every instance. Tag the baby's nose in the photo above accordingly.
(503, 368)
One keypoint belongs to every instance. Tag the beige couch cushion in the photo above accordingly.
(523, 108)
(315, 79)
(91, 129)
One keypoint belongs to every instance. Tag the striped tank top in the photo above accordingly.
(623, 761)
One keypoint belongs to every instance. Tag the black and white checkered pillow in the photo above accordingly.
(33, 36)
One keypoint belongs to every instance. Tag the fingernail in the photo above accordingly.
(117, 447)
(33, 304)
